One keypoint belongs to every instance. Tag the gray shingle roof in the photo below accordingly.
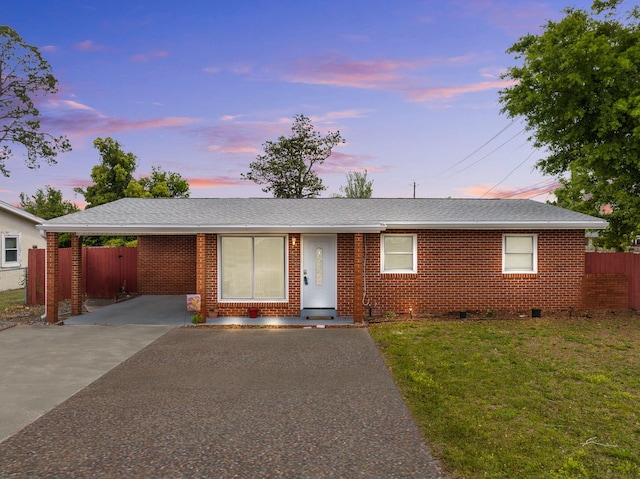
(170, 215)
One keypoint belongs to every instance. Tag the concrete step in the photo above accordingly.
(319, 313)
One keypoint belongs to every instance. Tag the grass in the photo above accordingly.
(12, 299)
(522, 399)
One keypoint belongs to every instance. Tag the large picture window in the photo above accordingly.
(252, 268)
(398, 254)
(520, 254)
(10, 250)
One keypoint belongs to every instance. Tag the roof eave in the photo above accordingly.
(106, 230)
(501, 225)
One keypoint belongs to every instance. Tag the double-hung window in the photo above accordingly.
(253, 268)
(519, 253)
(398, 253)
(10, 250)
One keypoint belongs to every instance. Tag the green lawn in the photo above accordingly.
(522, 399)
(11, 299)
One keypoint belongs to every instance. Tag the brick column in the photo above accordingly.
(52, 278)
(358, 277)
(76, 275)
(201, 271)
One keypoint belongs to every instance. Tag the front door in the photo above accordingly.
(319, 271)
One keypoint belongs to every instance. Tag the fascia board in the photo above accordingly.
(503, 225)
(90, 230)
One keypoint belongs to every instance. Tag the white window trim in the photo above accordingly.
(11, 264)
(252, 300)
(535, 254)
(413, 270)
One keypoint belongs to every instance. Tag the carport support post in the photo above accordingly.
(52, 278)
(76, 275)
(201, 270)
(358, 277)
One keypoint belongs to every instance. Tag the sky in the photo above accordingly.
(197, 87)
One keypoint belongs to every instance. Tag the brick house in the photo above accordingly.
(345, 257)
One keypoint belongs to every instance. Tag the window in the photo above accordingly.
(398, 254)
(252, 268)
(519, 254)
(10, 250)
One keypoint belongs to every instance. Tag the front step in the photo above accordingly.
(319, 313)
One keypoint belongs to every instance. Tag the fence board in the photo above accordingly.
(104, 272)
(618, 263)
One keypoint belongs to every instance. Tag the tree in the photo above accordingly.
(357, 185)
(578, 89)
(161, 184)
(24, 75)
(111, 176)
(287, 167)
(49, 204)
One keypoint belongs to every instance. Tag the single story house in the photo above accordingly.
(337, 256)
(18, 233)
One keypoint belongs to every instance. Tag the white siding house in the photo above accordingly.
(18, 234)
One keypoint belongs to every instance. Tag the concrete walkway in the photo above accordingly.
(41, 366)
(258, 403)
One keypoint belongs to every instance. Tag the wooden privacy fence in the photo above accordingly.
(618, 268)
(105, 272)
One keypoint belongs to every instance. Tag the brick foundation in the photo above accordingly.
(605, 291)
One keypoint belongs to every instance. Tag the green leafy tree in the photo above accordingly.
(287, 167)
(49, 204)
(113, 179)
(357, 186)
(111, 176)
(24, 75)
(161, 184)
(578, 90)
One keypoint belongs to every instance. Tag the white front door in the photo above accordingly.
(319, 271)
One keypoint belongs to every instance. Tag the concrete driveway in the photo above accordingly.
(258, 403)
(41, 366)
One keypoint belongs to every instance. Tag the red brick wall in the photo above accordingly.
(463, 270)
(456, 270)
(606, 291)
(167, 264)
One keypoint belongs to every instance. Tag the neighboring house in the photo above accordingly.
(18, 233)
(336, 256)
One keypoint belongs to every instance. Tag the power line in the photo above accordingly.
(510, 173)
(483, 157)
(479, 148)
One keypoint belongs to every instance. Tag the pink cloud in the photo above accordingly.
(89, 46)
(544, 187)
(49, 48)
(373, 74)
(342, 163)
(76, 119)
(145, 57)
(233, 149)
(220, 181)
(390, 75)
(430, 94)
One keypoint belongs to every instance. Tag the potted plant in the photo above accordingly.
(213, 313)
(197, 318)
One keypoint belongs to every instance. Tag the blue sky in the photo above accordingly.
(197, 86)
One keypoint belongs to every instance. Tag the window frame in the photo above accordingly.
(11, 264)
(253, 299)
(534, 253)
(414, 252)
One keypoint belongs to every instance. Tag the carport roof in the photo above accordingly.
(242, 215)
